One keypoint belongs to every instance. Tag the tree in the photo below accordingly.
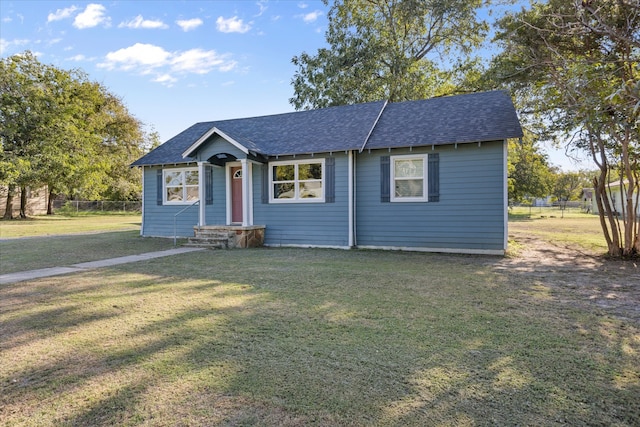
(568, 185)
(61, 130)
(384, 49)
(577, 61)
(529, 172)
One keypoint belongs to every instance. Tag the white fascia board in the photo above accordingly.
(207, 135)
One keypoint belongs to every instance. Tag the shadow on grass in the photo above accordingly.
(291, 337)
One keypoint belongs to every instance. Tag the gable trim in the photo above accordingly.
(214, 130)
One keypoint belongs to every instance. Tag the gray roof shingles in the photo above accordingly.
(474, 117)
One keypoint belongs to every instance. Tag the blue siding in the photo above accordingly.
(314, 224)
(468, 216)
(157, 219)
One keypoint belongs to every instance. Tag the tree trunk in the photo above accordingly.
(8, 210)
(50, 202)
(23, 202)
(605, 212)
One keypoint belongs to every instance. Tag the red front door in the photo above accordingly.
(236, 194)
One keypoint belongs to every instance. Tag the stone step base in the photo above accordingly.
(227, 237)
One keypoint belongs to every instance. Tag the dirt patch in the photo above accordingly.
(577, 277)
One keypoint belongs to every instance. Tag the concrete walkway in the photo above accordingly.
(83, 266)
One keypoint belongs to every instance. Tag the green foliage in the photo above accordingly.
(61, 130)
(569, 185)
(385, 49)
(529, 172)
(574, 64)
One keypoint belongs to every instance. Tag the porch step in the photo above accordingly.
(211, 238)
(208, 242)
(227, 237)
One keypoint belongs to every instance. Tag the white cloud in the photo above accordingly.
(92, 16)
(140, 22)
(200, 61)
(262, 5)
(232, 25)
(6, 44)
(311, 16)
(77, 58)
(143, 57)
(61, 14)
(3, 46)
(166, 79)
(189, 24)
(302, 5)
(147, 59)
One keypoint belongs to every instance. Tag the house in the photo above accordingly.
(37, 200)
(427, 175)
(617, 197)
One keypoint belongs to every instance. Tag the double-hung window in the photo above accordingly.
(180, 186)
(409, 178)
(297, 181)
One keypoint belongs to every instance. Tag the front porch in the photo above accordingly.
(227, 236)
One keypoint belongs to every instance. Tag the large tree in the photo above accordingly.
(388, 49)
(529, 173)
(61, 130)
(576, 62)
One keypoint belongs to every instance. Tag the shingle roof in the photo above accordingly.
(475, 117)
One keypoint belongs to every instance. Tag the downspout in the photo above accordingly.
(352, 218)
(505, 191)
(355, 223)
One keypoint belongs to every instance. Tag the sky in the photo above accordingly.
(176, 63)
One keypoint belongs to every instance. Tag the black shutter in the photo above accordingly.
(434, 177)
(385, 179)
(330, 179)
(265, 183)
(208, 185)
(159, 190)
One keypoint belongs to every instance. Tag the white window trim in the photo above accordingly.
(164, 186)
(272, 199)
(392, 177)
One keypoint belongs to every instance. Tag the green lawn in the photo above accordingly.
(293, 337)
(570, 227)
(59, 224)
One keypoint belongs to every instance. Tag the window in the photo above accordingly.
(409, 178)
(180, 186)
(297, 181)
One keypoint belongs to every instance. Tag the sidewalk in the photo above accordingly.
(21, 276)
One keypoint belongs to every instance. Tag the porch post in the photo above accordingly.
(246, 192)
(201, 194)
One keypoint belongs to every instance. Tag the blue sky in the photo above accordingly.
(175, 63)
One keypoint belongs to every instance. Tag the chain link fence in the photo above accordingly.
(98, 206)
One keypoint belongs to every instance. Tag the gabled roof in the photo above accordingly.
(475, 117)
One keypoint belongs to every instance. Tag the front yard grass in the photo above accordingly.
(273, 337)
(60, 224)
(313, 337)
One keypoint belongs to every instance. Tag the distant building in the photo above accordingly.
(36, 201)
